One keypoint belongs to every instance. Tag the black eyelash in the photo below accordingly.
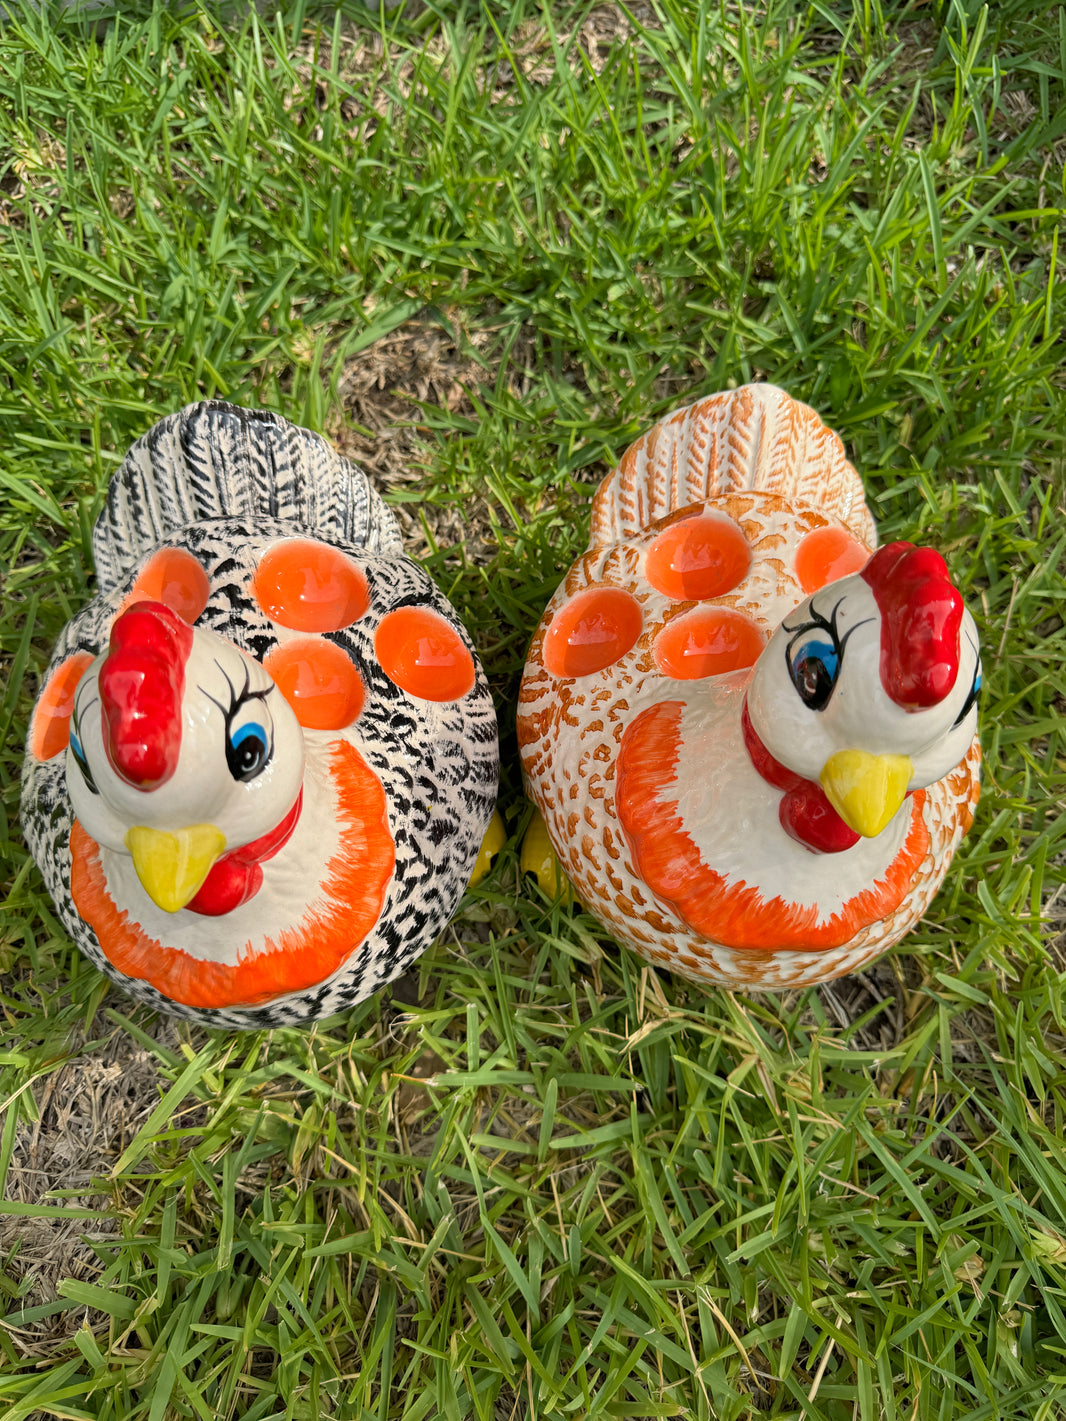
(80, 760)
(819, 622)
(237, 699)
(975, 690)
(80, 710)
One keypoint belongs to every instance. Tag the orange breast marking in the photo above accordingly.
(354, 889)
(734, 915)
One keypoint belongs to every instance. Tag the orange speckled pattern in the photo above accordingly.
(699, 557)
(175, 578)
(50, 728)
(310, 587)
(318, 680)
(423, 655)
(592, 631)
(770, 465)
(707, 641)
(826, 555)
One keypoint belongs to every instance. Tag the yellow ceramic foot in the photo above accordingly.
(539, 858)
(491, 844)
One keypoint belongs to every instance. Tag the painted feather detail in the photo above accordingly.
(754, 438)
(334, 762)
(708, 666)
(216, 460)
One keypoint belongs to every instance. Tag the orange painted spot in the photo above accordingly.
(825, 555)
(735, 914)
(310, 587)
(700, 557)
(424, 655)
(344, 907)
(318, 680)
(592, 631)
(174, 577)
(50, 727)
(707, 642)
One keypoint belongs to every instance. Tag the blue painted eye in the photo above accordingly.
(81, 762)
(814, 666)
(247, 751)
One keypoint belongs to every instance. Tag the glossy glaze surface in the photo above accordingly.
(257, 819)
(735, 786)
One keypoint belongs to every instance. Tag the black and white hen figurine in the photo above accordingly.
(265, 757)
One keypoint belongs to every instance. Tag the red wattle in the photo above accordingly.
(805, 812)
(807, 816)
(227, 886)
(921, 613)
(237, 877)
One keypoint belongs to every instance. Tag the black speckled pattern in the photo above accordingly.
(438, 763)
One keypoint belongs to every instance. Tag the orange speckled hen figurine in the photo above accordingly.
(753, 738)
(265, 756)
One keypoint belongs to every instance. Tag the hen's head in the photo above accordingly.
(869, 688)
(182, 751)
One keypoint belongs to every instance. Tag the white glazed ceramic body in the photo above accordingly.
(670, 833)
(372, 817)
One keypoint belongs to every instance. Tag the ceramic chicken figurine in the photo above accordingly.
(265, 755)
(753, 738)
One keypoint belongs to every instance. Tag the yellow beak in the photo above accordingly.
(866, 790)
(172, 867)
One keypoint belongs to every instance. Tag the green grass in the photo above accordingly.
(542, 1180)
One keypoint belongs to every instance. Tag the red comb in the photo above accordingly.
(921, 612)
(141, 685)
